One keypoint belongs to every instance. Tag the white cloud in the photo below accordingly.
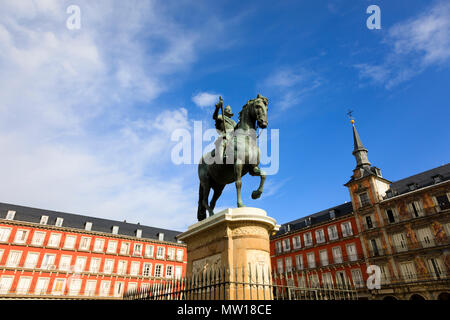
(71, 134)
(205, 99)
(415, 45)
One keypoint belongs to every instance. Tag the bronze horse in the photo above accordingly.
(242, 157)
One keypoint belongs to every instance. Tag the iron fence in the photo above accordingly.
(244, 283)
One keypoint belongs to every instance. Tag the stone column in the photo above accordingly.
(235, 241)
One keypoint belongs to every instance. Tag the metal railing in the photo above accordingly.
(244, 283)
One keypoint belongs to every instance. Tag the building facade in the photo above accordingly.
(404, 228)
(401, 229)
(322, 249)
(48, 254)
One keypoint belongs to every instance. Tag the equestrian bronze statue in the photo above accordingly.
(236, 154)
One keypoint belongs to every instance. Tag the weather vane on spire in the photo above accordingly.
(349, 113)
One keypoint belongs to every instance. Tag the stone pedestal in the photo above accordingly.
(235, 241)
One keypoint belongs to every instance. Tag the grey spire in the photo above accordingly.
(359, 151)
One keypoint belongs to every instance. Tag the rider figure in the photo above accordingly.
(226, 132)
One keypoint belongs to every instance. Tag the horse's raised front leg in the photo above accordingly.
(258, 172)
(237, 177)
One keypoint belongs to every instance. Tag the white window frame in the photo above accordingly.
(169, 274)
(5, 234)
(112, 246)
(41, 286)
(346, 232)
(87, 246)
(149, 251)
(59, 222)
(122, 267)
(333, 235)
(134, 268)
(74, 286)
(99, 245)
(137, 249)
(296, 242)
(50, 240)
(307, 239)
(299, 262)
(105, 288)
(10, 215)
(311, 262)
(63, 286)
(118, 288)
(124, 248)
(31, 260)
(19, 238)
(158, 273)
(65, 262)
(280, 266)
(357, 278)
(90, 288)
(48, 261)
(108, 266)
(324, 260)
(351, 256)
(171, 254)
(160, 255)
(320, 236)
(71, 244)
(288, 263)
(38, 235)
(5, 284)
(180, 254)
(44, 220)
(147, 269)
(80, 264)
(286, 244)
(88, 226)
(278, 248)
(337, 258)
(94, 265)
(14, 257)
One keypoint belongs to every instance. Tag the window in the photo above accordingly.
(280, 265)
(90, 288)
(132, 286)
(369, 223)
(323, 257)
(296, 242)
(14, 259)
(115, 230)
(161, 236)
(147, 270)
(88, 226)
(1, 254)
(299, 262)
(158, 270)
(4, 234)
(160, 253)
(400, 242)
(54, 240)
(64, 263)
(85, 243)
(104, 288)
(320, 236)
(332, 232)
(112, 246)
(384, 274)
(31, 260)
(169, 271)
(10, 215)
(442, 202)
(137, 250)
(311, 260)
(108, 266)
(138, 233)
(357, 278)
(122, 267)
(425, 237)
(41, 286)
(149, 251)
(375, 251)
(38, 238)
(351, 252)
(278, 247)
(171, 254)
(178, 272)
(74, 286)
(346, 229)
(95, 265)
(48, 262)
(307, 238)
(80, 264)
(44, 220)
(99, 244)
(408, 271)
(341, 279)
(125, 248)
(69, 243)
(364, 199)
(390, 215)
(286, 245)
(180, 253)
(58, 286)
(5, 284)
(314, 280)
(288, 262)
(134, 270)
(118, 289)
(59, 222)
(21, 236)
(416, 209)
(332, 214)
(327, 280)
(436, 268)
(337, 254)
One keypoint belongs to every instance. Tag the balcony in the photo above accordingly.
(409, 216)
(370, 226)
(425, 244)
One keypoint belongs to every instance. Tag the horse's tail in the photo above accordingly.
(201, 211)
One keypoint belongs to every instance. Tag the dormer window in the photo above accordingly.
(44, 220)
(161, 236)
(10, 215)
(138, 233)
(437, 178)
(308, 221)
(88, 226)
(389, 193)
(59, 222)
(412, 186)
(115, 230)
(332, 214)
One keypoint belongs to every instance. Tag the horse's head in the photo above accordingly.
(259, 110)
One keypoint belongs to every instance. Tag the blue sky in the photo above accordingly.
(86, 115)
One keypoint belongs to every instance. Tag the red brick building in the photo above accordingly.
(321, 249)
(48, 254)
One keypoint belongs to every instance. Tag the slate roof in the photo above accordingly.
(420, 180)
(316, 218)
(76, 221)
